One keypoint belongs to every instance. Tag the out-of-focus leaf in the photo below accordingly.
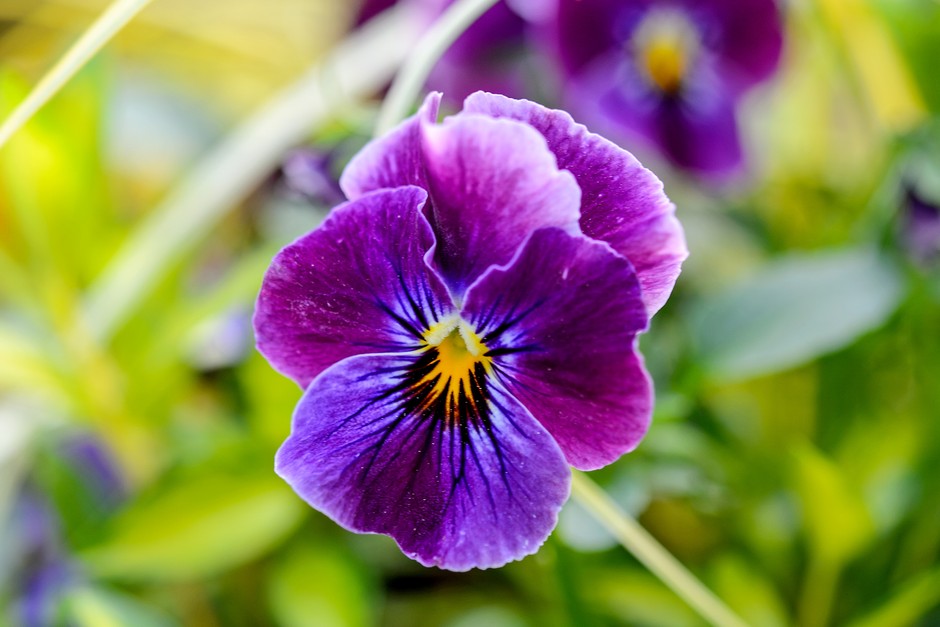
(838, 523)
(25, 366)
(915, 25)
(201, 527)
(637, 598)
(90, 607)
(909, 602)
(794, 310)
(52, 179)
(493, 616)
(318, 586)
(748, 591)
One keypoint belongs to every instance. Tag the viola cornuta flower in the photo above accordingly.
(669, 72)
(465, 328)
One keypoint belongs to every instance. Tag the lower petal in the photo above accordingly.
(458, 494)
(560, 324)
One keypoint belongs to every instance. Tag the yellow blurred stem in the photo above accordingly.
(874, 63)
(651, 553)
(435, 42)
(358, 67)
(98, 34)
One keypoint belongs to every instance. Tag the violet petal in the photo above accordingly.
(358, 284)
(472, 493)
(560, 323)
(492, 182)
(622, 203)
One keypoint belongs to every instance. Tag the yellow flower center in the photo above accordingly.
(665, 45)
(460, 365)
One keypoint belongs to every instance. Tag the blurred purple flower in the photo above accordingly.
(96, 468)
(309, 173)
(42, 589)
(921, 228)
(465, 328)
(42, 571)
(669, 72)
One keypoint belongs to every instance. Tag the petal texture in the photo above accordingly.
(622, 202)
(358, 284)
(560, 323)
(475, 493)
(393, 160)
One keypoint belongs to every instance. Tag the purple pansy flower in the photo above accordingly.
(921, 228)
(465, 328)
(669, 72)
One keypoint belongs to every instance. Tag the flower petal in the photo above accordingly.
(560, 324)
(697, 130)
(746, 37)
(393, 160)
(492, 182)
(358, 284)
(470, 493)
(622, 203)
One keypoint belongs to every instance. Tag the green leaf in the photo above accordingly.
(908, 603)
(837, 520)
(749, 592)
(199, 528)
(794, 310)
(91, 607)
(318, 586)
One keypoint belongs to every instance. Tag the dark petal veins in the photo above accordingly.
(358, 284)
(622, 203)
(474, 484)
(560, 324)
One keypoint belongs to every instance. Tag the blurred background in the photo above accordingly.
(793, 459)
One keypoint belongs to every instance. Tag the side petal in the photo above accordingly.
(470, 493)
(622, 203)
(492, 182)
(560, 324)
(746, 36)
(358, 284)
(393, 160)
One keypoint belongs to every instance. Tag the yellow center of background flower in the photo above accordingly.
(665, 44)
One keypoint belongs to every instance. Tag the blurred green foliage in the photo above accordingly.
(793, 459)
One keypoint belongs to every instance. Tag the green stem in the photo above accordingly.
(435, 42)
(98, 34)
(651, 553)
(357, 68)
(819, 588)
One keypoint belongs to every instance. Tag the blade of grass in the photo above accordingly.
(359, 66)
(651, 553)
(98, 34)
(435, 42)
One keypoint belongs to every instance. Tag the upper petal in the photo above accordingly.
(745, 36)
(622, 203)
(358, 284)
(560, 324)
(393, 160)
(492, 183)
(474, 490)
